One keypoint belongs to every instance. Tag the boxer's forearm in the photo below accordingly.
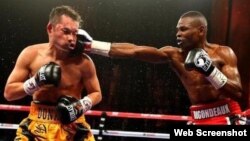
(122, 50)
(129, 50)
(14, 91)
(95, 97)
(116, 50)
(143, 53)
(232, 90)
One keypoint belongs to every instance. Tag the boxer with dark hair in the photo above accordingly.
(208, 71)
(55, 75)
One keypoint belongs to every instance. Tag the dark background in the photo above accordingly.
(127, 85)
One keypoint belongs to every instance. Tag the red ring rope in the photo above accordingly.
(109, 113)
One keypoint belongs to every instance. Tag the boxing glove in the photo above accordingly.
(85, 43)
(48, 74)
(198, 59)
(70, 109)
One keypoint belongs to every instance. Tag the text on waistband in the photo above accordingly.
(211, 112)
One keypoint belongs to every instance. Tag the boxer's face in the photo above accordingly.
(63, 34)
(187, 33)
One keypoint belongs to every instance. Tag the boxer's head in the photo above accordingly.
(191, 29)
(63, 24)
(57, 12)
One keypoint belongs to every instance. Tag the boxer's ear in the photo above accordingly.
(49, 27)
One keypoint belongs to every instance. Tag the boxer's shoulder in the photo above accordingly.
(35, 48)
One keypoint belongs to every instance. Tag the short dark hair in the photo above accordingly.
(196, 14)
(58, 11)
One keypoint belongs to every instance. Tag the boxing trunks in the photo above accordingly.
(42, 125)
(223, 112)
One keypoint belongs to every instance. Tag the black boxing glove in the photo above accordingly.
(70, 109)
(198, 59)
(85, 43)
(48, 74)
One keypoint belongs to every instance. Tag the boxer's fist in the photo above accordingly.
(48, 74)
(198, 59)
(83, 42)
(69, 109)
(83, 38)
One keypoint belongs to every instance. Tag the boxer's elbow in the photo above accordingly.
(237, 95)
(99, 97)
(234, 90)
(8, 95)
(239, 92)
(11, 94)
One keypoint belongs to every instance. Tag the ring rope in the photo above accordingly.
(109, 113)
(108, 132)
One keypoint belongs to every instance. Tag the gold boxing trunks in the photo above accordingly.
(42, 124)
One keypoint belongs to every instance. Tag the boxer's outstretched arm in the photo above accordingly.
(121, 50)
(143, 53)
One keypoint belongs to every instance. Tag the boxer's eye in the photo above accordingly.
(66, 31)
(183, 29)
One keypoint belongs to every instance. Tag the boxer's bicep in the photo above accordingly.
(230, 68)
(21, 70)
